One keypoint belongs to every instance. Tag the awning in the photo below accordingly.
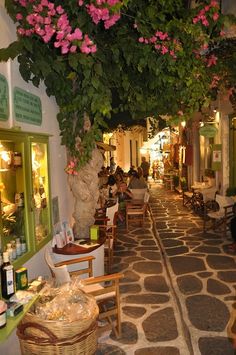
(106, 147)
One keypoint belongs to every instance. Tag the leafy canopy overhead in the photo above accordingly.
(119, 62)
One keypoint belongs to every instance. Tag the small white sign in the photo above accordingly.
(216, 156)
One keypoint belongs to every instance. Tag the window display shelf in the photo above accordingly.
(25, 204)
(12, 322)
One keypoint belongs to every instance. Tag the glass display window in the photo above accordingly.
(40, 190)
(25, 208)
(12, 192)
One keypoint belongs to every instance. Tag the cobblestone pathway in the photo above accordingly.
(178, 292)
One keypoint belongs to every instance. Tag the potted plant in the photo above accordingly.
(183, 183)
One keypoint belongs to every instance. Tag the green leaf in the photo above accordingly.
(95, 82)
(98, 69)
(12, 51)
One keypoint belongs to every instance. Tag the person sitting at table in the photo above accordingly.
(112, 186)
(140, 174)
(136, 182)
(119, 170)
(131, 170)
(119, 179)
(123, 194)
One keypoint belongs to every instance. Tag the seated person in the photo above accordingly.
(112, 186)
(136, 182)
(140, 174)
(119, 170)
(131, 170)
(119, 179)
(123, 194)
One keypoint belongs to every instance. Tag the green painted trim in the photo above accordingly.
(13, 322)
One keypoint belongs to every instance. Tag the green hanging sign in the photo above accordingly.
(208, 131)
(4, 99)
(27, 107)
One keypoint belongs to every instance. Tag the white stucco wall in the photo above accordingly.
(59, 187)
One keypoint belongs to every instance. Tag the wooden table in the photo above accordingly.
(71, 251)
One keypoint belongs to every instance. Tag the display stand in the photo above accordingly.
(12, 322)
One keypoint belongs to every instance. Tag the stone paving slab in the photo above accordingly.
(178, 295)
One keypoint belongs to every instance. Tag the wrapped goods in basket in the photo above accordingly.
(63, 321)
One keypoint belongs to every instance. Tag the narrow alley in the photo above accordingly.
(178, 290)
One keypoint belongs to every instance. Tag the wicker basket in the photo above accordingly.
(38, 336)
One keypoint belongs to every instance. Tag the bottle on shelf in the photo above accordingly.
(13, 245)
(9, 250)
(23, 244)
(18, 247)
(7, 277)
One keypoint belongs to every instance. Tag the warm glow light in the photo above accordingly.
(143, 151)
(183, 124)
(217, 117)
(6, 156)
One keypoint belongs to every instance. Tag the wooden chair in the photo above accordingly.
(217, 215)
(105, 288)
(138, 194)
(188, 197)
(110, 231)
(108, 224)
(136, 210)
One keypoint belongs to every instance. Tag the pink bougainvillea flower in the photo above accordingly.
(59, 10)
(205, 23)
(23, 3)
(19, 16)
(215, 16)
(214, 3)
(164, 50)
(44, 3)
(157, 46)
(93, 48)
(141, 39)
(211, 60)
(21, 31)
(112, 2)
(77, 34)
(73, 49)
(111, 21)
(80, 2)
(153, 39)
(180, 113)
